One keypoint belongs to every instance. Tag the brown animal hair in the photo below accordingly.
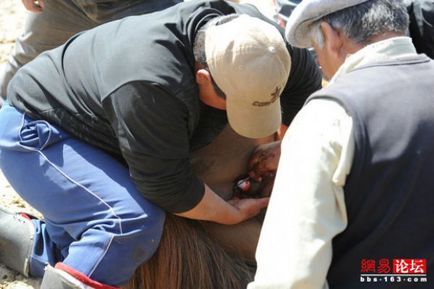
(188, 258)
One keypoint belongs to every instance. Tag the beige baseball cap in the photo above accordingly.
(248, 59)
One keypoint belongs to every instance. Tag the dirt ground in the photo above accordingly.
(12, 15)
(11, 22)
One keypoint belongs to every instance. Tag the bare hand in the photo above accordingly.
(264, 161)
(213, 208)
(35, 6)
(247, 208)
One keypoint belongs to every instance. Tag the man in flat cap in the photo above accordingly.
(353, 195)
(421, 25)
(98, 133)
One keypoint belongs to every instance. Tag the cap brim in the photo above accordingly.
(254, 122)
(306, 13)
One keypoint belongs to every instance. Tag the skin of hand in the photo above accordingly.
(248, 208)
(213, 208)
(34, 6)
(264, 161)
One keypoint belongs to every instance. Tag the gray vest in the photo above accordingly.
(389, 194)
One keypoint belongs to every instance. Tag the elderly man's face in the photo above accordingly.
(333, 53)
(325, 61)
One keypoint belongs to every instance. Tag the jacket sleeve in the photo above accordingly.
(152, 128)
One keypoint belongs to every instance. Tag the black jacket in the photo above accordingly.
(422, 25)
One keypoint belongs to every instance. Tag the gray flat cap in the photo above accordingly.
(307, 12)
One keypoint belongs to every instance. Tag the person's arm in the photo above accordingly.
(213, 208)
(153, 132)
(34, 6)
(307, 208)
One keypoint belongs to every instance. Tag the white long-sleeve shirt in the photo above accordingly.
(307, 206)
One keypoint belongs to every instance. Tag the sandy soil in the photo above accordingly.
(12, 15)
(11, 22)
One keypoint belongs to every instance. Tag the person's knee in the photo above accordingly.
(6, 74)
(136, 245)
(111, 254)
(141, 240)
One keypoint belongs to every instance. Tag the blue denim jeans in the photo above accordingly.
(95, 219)
(62, 19)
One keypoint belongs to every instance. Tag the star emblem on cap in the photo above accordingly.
(274, 95)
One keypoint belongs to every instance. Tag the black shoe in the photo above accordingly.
(16, 241)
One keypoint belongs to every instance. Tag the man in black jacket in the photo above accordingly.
(100, 130)
(421, 26)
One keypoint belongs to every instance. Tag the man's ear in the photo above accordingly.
(333, 40)
(203, 77)
(207, 93)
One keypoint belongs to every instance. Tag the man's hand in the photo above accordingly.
(247, 208)
(264, 161)
(35, 6)
(213, 208)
